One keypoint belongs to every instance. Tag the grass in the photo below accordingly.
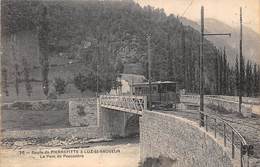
(29, 120)
(37, 93)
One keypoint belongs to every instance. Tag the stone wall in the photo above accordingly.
(112, 123)
(229, 103)
(181, 140)
(83, 113)
(80, 115)
(115, 123)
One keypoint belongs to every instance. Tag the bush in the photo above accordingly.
(81, 82)
(60, 86)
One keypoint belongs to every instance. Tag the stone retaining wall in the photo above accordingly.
(225, 102)
(181, 140)
(83, 113)
(80, 113)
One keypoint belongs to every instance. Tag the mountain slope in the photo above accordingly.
(106, 34)
(251, 39)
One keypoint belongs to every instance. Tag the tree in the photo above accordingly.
(242, 76)
(73, 22)
(225, 71)
(248, 79)
(28, 86)
(237, 75)
(43, 32)
(4, 81)
(60, 86)
(221, 74)
(255, 81)
(119, 66)
(81, 82)
(17, 79)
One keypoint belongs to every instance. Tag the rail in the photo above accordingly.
(132, 104)
(229, 133)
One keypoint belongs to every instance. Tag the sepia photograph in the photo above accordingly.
(130, 83)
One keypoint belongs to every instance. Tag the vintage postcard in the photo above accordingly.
(130, 83)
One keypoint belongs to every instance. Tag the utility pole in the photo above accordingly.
(201, 69)
(149, 71)
(202, 65)
(241, 61)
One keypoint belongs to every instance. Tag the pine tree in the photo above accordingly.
(255, 81)
(28, 86)
(258, 81)
(224, 72)
(221, 74)
(4, 81)
(237, 76)
(248, 79)
(170, 61)
(17, 80)
(217, 74)
(242, 77)
(184, 63)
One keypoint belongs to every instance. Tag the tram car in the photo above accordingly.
(164, 94)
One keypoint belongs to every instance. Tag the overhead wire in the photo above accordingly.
(186, 9)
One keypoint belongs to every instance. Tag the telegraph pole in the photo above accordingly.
(149, 71)
(201, 68)
(241, 61)
(202, 65)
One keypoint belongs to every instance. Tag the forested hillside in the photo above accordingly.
(109, 34)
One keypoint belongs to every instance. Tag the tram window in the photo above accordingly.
(171, 87)
(154, 89)
(138, 90)
(162, 88)
(146, 90)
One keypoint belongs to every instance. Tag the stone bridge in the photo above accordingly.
(166, 135)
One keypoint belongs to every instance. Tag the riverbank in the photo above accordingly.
(116, 153)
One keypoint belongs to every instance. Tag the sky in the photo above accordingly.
(226, 11)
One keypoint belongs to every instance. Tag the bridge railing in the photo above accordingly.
(134, 104)
(230, 134)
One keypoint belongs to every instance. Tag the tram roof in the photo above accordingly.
(155, 83)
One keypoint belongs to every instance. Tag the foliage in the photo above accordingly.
(43, 31)
(4, 81)
(81, 82)
(60, 85)
(117, 32)
(28, 86)
(17, 79)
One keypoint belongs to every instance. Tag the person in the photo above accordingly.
(52, 91)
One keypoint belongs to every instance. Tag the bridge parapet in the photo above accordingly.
(131, 104)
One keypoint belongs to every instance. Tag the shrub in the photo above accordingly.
(60, 86)
(81, 82)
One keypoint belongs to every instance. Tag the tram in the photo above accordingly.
(164, 94)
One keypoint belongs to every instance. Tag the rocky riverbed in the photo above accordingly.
(67, 153)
